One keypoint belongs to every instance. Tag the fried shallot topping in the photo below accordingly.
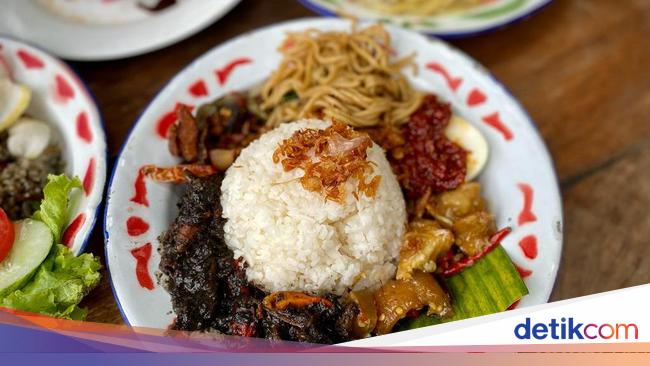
(329, 158)
(177, 174)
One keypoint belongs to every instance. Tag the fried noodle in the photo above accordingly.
(343, 76)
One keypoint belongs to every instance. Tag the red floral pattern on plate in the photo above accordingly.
(494, 120)
(476, 97)
(523, 272)
(526, 215)
(63, 91)
(29, 60)
(89, 177)
(198, 89)
(452, 82)
(136, 226)
(140, 190)
(71, 231)
(83, 128)
(224, 72)
(528, 245)
(142, 255)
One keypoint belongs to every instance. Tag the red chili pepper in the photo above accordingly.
(500, 235)
(450, 269)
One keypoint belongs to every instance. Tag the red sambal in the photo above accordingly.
(431, 163)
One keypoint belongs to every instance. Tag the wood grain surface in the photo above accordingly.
(582, 70)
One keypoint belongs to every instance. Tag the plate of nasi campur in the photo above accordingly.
(442, 18)
(324, 181)
(52, 174)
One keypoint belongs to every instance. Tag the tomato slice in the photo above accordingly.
(7, 235)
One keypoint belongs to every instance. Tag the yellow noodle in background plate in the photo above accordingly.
(345, 76)
(418, 7)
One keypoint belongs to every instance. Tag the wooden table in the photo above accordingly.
(582, 70)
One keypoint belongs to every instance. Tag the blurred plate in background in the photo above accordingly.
(92, 30)
(453, 19)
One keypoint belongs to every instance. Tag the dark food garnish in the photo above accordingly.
(184, 137)
(217, 134)
(210, 292)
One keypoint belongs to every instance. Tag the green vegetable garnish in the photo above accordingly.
(489, 286)
(59, 283)
(54, 207)
(289, 96)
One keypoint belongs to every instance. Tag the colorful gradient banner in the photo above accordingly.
(34, 338)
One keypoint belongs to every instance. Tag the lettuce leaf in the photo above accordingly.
(58, 285)
(54, 207)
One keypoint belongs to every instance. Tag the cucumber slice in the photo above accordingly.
(33, 243)
(490, 286)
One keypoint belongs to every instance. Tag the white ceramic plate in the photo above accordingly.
(518, 181)
(90, 30)
(62, 100)
(489, 15)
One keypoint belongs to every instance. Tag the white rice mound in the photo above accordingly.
(295, 240)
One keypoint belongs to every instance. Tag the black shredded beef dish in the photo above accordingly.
(210, 292)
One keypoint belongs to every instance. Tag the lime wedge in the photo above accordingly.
(14, 99)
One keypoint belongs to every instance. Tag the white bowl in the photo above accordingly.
(61, 99)
(519, 161)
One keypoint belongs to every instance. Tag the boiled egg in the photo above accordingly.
(472, 140)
